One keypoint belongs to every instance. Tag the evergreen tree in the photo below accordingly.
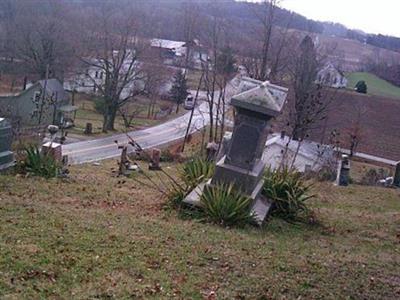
(179, 91)
(306, 108)
(361, 87)
(226, 62)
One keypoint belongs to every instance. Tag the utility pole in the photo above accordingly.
(192, 112)
(44, 95)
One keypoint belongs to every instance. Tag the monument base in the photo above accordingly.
(260, 206)
(247, 181)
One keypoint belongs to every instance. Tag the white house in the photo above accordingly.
(310, 155)
(86, 80)
(332, 77)
(92, 75)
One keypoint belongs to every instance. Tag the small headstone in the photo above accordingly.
(53, 149)
(89, 128)
(155, 160)
(124, 162)
(211, 150)
(224, 145)
(65, 160)
(396, 179)
(343, 174)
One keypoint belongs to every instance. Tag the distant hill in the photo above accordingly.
(242, 14)
(376, 85)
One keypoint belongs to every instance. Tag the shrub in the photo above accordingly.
(326, 173)
(289, 193)
(196, 171)
(225, 206)
(372, 176)
(192, 174)
(361, 87)
(38, 163)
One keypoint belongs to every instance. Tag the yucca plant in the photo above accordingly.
(39, 164)
(192, 174)
(224, 205)
(289, 193)
(196, 171)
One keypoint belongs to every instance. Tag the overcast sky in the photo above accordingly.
(371, 16)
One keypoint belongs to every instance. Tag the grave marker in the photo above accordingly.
(242, 165)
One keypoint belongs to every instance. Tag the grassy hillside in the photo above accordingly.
(95, 236)
(376, 85)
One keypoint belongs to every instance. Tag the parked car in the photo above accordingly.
(189, 102)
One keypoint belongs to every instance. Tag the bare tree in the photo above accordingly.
(155, 83)
(355, 132)
(128, 115)
(114, 51)
(42, 37)
(225, 67)
(283, 43)
(190, 17)
(215, 73)
(259, 56)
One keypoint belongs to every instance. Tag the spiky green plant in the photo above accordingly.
(39, 164)
(224, 205)
(289, 193)
(192, 174)
(196, 171)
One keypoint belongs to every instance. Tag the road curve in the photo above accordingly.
(170, 131)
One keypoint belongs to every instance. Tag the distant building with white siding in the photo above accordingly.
(332, 77)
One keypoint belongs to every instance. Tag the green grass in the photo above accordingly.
(376, 85)
(96, 237)
(87, 114)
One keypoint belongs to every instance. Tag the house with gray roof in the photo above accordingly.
(307, 155)
(41, 103)
(175, 52)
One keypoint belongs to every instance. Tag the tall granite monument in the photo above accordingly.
(6, 156)
(242, 165)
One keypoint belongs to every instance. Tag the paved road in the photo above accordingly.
(104, 148)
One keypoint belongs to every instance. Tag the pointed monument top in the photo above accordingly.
(259, 99)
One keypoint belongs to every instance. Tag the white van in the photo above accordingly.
(189, 102)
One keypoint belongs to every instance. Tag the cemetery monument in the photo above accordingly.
(242, 165)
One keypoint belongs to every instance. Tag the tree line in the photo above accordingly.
(51, 38)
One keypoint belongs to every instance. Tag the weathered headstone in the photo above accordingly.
(6, 156)
(224, 145)
(243, 165)
(88, 128)
(396, 178)
(211, 150)
(54, 150)
(155, 160)
(343, 173)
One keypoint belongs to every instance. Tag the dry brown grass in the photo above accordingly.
(99, 236)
